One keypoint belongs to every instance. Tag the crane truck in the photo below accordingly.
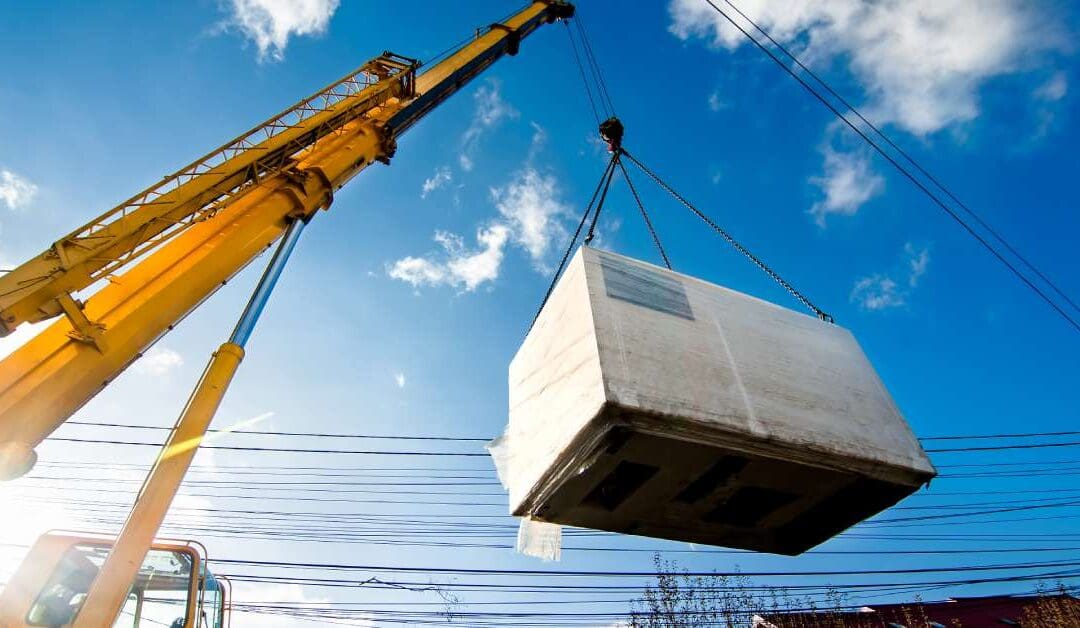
(146, 264)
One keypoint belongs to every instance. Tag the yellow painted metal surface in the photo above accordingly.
(221, 217)
(106, 596)
(36, 289)
(53, 375)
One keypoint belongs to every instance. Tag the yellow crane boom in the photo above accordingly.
(186, 235)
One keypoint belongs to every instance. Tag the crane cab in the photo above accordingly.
(173, 587)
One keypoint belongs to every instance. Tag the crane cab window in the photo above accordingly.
(159, 596)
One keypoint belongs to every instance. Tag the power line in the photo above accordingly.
(555, 573)
(89, 423)
(941, 186)
(276, 433)
(282, 449)
(989, 436)
(1003, 447)
(900, 167)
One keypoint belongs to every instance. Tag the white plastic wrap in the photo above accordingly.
(538, 539)
(636, 383)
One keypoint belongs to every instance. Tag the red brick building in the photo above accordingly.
(1047, 611)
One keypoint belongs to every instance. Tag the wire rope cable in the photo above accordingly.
(581, 70)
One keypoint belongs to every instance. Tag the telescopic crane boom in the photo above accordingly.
(188, 234)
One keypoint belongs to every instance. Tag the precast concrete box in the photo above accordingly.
(651, 403)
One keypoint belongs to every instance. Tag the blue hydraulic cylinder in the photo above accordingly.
(267, 282)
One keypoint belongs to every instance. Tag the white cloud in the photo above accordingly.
(531, 208)
(270, 23)
(537, 143)
(715, 102)
(847, 183)
(399, 379)
(159, 361)
(1054, 89)
(919, 62)
(918, 261)
(877, 292)
(440, 178)
(529, 216)
(490, 110)
(1048, 99)
(457, 266)
(15, 191)
(882, 291)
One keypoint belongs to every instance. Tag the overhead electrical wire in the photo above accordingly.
(113, 424)
(278, 433)
(297, 450)
(395, 472)
(937, 182)
(902, 169)
(374, 452)
(310, 487)
(562, 573)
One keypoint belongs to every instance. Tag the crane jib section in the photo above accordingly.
(187, 235)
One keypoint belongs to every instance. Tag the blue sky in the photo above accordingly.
(405, 302)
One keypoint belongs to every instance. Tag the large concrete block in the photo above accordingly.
(651, 403)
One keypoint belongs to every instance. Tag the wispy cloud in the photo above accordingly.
(846, 183)
(877, 292)
(457, 266)
(530, 211)
(920, 62)
(490, 110)
(269, 24)
(1053, 89)
(530, 206)
(1049, 100)
(441, 177)
(15, 191)
(715, 102)
(159, 361)
(918, 260)
(882, 291)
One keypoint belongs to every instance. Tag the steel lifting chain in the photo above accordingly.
(645, 215)
(604, 179)
(731, 240)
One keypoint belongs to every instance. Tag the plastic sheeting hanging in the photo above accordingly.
(535, 538)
